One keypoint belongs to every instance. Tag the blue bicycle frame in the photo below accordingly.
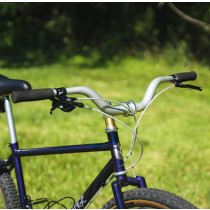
(115, 165)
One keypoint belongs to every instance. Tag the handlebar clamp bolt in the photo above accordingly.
(131, 108)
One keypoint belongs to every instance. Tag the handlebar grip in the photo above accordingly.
(32, 95)
(185, 76)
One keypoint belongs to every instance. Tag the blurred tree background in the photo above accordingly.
(42, 33)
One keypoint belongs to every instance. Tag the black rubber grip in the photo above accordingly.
(32, 95)
(185, 76)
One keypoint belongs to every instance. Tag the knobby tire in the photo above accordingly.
(150, 198)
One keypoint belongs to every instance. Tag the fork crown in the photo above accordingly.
(120, 170)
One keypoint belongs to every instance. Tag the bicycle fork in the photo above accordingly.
(122, 179)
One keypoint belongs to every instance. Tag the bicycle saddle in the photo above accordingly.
(8, 85)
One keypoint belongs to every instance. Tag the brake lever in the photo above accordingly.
(65, 104)
(180, 85)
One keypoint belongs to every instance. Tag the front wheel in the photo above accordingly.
(150, 198)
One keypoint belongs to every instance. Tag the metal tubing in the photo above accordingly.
(7, 162)
(116, 151)
(63, 149)
(10, 120)
(139, 181)
(19, 176)
(118, 195)
(98, 182)
(119, 109)
(150, 92)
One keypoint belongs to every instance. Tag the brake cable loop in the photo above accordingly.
(137, 124)
(134, 137)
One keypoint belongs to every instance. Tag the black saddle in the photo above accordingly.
(8, 85)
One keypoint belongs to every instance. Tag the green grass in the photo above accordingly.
(174, 130)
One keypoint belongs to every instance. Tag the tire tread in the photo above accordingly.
(9, 191)
(159, 196)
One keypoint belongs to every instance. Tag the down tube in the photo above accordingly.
(95, 186)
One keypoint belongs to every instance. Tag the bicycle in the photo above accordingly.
(139, 197)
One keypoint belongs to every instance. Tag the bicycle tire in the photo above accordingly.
(8, 193)
(150, 198)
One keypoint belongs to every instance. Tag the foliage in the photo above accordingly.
(40, 33)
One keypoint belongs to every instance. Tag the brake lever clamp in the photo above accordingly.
(66, 104)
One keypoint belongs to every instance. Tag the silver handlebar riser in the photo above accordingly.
(151, 91)
(102, 105)
(120, 109)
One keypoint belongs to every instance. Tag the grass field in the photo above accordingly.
(174, 130)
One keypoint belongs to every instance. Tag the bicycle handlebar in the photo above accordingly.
(120, 109)
(42, 94)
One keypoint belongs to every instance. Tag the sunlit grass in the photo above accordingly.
(174, 130)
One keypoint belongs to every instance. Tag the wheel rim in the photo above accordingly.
(143, 203)
(2, 199)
